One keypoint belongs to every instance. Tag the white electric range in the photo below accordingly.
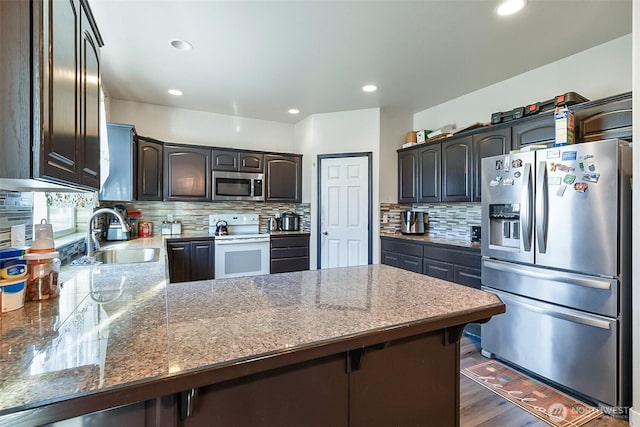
(243, 251)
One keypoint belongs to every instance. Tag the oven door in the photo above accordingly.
(241, 257)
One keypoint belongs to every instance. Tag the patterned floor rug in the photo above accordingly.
(546, 403)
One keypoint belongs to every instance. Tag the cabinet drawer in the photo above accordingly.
(289, 242)
(466, 257)
(467, 276)
(277, 253)
(289, 264)
(404, 248)
(441, 270)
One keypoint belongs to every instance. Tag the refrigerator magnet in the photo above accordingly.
(516, 163)
(560, 191)
(591, 177)
(507, 181)
(553, 154)
(569, 155)
(493, 183)
(581, 187)
(591, 166)
(569, 179)
(555, 180)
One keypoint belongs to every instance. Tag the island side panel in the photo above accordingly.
(313, 393)
(411, 382)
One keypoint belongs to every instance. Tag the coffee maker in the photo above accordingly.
(414, 222)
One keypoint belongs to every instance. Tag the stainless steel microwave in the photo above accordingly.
(238, 186)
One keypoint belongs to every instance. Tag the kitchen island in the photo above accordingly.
(369, 345)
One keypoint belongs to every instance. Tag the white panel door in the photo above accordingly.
(344, 215)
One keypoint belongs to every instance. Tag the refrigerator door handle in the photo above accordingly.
(527, 211)
(536, 273)
(542, 198)
(565, 315)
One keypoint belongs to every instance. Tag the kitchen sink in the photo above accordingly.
(127, 256)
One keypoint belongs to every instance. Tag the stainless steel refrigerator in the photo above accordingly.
(556, 248)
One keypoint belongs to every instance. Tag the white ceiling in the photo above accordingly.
(259, 58)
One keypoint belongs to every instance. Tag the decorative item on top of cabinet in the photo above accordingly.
(283, 175)
(289, 252)
(61, 69)
(149, 174)
(187, 173)
(190, 259)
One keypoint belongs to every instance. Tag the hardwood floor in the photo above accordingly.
(480, 407)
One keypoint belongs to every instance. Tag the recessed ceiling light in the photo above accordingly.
(509, 7)
(369, 88)
(181, 44)
(175, 92)
(294, 111)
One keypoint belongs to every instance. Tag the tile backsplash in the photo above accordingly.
(445, 219)
(195, 216)
(15, 208)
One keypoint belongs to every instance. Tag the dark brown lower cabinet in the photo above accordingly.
(190, 259)
(411, 382)
(289, 253)
(458, 265)
(439, 269)
(408, 382)
(310, 394)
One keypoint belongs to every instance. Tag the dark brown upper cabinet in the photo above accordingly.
(251, 162)
(187, 173)
(53, 53)
(605, 120)
(407, 176)
(456, 170)
(234, 160)
(89, 113)
(283, 175)
(429, 165)
(541, 130)
(487, 144)
(149, 174)
(224, 160)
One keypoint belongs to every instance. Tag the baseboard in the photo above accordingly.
(634, 417)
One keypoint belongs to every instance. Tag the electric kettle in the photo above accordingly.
(222, 228)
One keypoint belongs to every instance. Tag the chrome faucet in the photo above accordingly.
(123, 224)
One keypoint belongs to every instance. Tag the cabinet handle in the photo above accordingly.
(473, 276)
(324, 233)
(187, 403)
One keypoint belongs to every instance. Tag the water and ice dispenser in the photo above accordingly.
(504, 225)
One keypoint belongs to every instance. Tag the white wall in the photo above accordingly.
(594, 73)
(394, 125)
(200, 128)
(334, 133)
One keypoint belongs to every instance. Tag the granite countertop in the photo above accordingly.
(439, 239)
(117, 325)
